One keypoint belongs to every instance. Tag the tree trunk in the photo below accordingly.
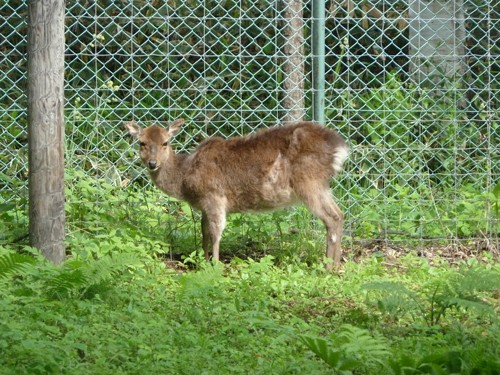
(46, 126)
(293, 66)
(437, 40)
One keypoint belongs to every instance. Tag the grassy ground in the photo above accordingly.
(123, 314)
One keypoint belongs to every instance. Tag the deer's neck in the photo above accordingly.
(168, 177)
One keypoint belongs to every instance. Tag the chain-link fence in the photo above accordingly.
(413, 85)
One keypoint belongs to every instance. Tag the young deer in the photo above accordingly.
(272, 168)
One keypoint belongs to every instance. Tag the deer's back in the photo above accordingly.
(259, 171)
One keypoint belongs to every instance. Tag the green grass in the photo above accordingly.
(124, 314)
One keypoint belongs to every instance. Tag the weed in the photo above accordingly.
(438, 296)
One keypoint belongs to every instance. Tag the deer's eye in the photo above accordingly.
(165, 144)
(142, 144)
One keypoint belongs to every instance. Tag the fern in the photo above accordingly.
(441, 363)
(77, 278)
(395, 299)
(110, 267)
(462, 290)
(65, 282)
(14, 263)
(74, 278)
(360, 343)
(352, 349)
(431, 302)
(334, 358)
(479, 279)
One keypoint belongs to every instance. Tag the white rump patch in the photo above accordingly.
(339, 158)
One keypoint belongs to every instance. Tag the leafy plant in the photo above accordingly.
(432, 301)
(352, 348)
(440, 363)
(334, 358)
(73, 279)
(12, 263)
(195, 259)
(79, 279)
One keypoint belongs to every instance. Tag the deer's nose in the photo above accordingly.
(152, 164)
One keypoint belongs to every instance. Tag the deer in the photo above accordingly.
(269, 169)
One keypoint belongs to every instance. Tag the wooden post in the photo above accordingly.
(293, 66)
(46, 126)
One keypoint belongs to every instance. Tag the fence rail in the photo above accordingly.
(413, 86)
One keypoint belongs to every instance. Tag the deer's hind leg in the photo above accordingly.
(205, 235)
(318, 199)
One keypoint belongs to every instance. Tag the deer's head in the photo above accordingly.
(154, 142)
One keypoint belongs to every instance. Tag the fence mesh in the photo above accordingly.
(412, 85)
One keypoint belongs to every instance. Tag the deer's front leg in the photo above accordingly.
(213, 221)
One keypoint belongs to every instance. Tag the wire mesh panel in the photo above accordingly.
(13, 137)
(412, 85)
(415, 86)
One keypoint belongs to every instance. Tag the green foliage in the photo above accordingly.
(13, 262)
(73, 279)
(195, 259)
(79, 279)
(117, 314)
(13, 216)
(144, 222)
(441, 363)
(352, 348)
(334, 358)
(434, 299)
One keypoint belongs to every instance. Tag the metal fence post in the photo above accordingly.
(318, 59)
(293, 65)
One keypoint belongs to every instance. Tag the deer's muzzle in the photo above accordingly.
(152, 164)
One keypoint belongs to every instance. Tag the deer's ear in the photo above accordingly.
(133, 128)
(175, 126)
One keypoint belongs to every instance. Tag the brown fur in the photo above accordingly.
(269, 169)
